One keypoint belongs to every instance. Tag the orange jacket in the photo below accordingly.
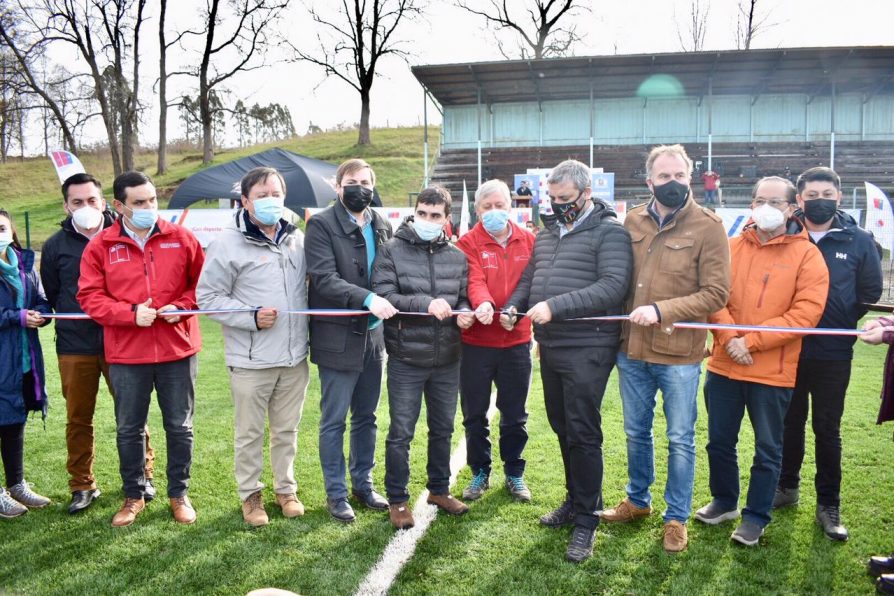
(782, 283)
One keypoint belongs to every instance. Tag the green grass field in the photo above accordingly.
(497, 548)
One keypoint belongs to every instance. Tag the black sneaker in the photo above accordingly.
(748, 533)
(340, 509)
(580, 548)
(562, 516)
(829, 519)
(880, 565)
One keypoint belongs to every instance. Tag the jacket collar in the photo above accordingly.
(348, 226)
(251, 232)
(408, 234)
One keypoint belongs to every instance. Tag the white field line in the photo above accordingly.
(401, 548)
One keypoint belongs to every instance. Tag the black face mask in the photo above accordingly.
(356, 198)
(819, 211)
(671, 194)
(566, 213)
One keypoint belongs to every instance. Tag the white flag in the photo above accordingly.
(67, 164)
(879, 216)
(464, 216)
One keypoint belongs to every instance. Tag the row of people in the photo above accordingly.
(669, 262)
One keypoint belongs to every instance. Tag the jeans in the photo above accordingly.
(826, 381)
(639, 383)
(710, 196)
(574, 382)
(407, 384)
(175, 388)
(726, 401)
(510, 370)
(357, 391)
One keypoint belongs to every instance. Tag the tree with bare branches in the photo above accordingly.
(692, 35)
(360, 34)
(543, 37)
(749, 23)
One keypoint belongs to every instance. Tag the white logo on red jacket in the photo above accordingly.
(489, 260)
(119, 254)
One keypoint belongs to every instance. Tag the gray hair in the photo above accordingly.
(572, 171)
(492, 187)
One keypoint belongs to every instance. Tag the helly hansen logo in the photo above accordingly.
(119, 254)
(841, 255)
(170, 245)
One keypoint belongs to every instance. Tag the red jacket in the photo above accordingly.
(116, 275)
(494, 272)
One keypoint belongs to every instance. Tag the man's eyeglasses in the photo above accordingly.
(775, 203)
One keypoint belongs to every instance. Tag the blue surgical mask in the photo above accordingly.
(5, 241)
(143, 219)
(268, 210)
(494, 221)
(426, 230)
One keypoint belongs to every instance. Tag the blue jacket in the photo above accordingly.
(855, 278)
(12, 402)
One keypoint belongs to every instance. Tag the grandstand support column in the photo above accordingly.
(710, 123)
(479, 137)
(592, 125)
(832, 129)
(424, 139)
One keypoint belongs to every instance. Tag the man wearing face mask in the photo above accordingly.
(498, 251)
(132, 274)
(779, 279)
(825, 367)
(681, 273)
(341, 243)
(79, 344)
(420, 271)
(580, 268)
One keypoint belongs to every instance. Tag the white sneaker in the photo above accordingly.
(9, 507)
(22, 493)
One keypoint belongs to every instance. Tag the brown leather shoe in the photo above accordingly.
(128, 512)
(624, 512)
(400, 515)
(183, 511)
(290, 505)
(447, 503)
(253, 510)
(676, 538)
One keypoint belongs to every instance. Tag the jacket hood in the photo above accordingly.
(408, 234)
(841, 220)
(794, 230)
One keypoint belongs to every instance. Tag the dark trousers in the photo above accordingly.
(12, 451)
(510, 370)
(174, 384)
(726, 401)
(826, 381)
(574, 382)
(407, 384)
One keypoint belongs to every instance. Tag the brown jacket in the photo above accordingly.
(683, 269)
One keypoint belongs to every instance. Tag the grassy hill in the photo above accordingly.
(396, 154)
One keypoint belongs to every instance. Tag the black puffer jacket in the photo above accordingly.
(584, 274)
(60, 270)
(411, 273)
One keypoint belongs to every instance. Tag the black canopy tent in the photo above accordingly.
(309, 182)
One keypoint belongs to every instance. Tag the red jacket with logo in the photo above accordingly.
(116, 276)
(494, 272)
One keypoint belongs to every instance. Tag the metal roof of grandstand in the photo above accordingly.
(867, 70)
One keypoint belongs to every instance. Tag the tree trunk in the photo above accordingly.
(162, 94)
(206, 117)
(363, 136)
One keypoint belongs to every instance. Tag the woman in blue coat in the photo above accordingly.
(22, 304)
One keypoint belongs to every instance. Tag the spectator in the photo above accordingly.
(524, 194)
(711, 180)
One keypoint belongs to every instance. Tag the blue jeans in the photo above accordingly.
(640, 382)
(726, 401)
(357, 391)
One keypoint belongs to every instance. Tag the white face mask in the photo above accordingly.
(87, 217)
(5, 240)
(767, 218)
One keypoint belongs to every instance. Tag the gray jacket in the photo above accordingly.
(245, 269)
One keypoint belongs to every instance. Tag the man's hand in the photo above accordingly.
(265, 318)
(540, 313)
(874, 335)
(508, 318)
(485, 313)
(145, 315)
(169, 318)
(33, 319)
(465, 320)
(440, 308)
(645, 315)
(738, 351)
(381, 308)
(872, 324)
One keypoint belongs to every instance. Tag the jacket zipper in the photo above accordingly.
(146, 269)
(436, 323)
(760, 299)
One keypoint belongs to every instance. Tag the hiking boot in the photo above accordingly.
(748, 533)
(22, 493)
(183, 510)
(480, 483)
(785, 497)
(713, 513)
(580, 547)
(290, 505)
(341, 510)
(676, 537)
(881, 564)
(625, 511)
(9, 507)
(828, 517)
(448, 504)
(517, 488)
(128, 512)
(563, 515)
(400, 515)
(253, 510)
